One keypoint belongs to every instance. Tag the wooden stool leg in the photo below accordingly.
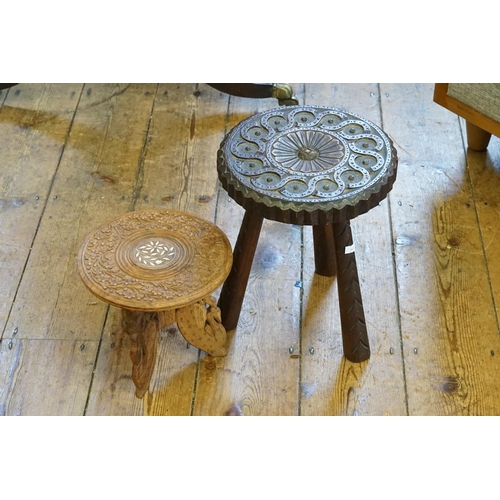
(142, 327)
(352, 316)
(324, 250)
(233, 291)
(477, 138)
(200, 324)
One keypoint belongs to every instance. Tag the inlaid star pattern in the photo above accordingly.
(154, 253)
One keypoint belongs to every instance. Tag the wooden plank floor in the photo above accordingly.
(75, 155)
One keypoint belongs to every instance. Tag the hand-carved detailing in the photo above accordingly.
(142, 327)
(352, 317)
(306, 155)
(307, 165)
(307, 151)
(154, 253)
(119, 259)
(200, 324)
(166, 318)
(159, 266)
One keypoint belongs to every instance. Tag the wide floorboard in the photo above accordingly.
(75, 155)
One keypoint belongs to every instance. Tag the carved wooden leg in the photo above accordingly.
(166, 318)
(352, 316)
(477, 138)
(324, 250)
(233, 291)
(142, 328)
(200, 324)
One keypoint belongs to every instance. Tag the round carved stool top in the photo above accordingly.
(154, 260)
(307, 164)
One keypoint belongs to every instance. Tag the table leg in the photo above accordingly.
(233, 291)
(324, 250)
(477, 138)
(142, 327)
(352, 316)
(166, 318)
(200, 324)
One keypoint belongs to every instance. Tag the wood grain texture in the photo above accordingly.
(200, 324)
(447, 314)
(45, 377)
(51, 302)
(332, 385)
(445, 291)
(186, 128)
(142, 328)
(484, 169)
(259, 376)
(94, 182)
(234, 288)
(356, 345)
(178, 170)
(154, 260)
(34, 124)
(172, 382)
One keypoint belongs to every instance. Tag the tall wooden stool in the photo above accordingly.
(306, 165)
(159, 267)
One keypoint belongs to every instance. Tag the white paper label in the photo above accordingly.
(349, 249)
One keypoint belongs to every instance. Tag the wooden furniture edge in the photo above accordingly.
(442, 98)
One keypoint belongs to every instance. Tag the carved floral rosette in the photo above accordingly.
(307, 158)
(155, 259)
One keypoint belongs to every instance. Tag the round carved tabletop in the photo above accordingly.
(154, 260)
(307, 164)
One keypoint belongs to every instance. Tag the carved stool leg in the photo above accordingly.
(324, 250)
(200, 324)
(233, 291)
(352, 316)
(166, 318)
(477, 138)
(142, 327)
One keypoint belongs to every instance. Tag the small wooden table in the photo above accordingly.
(159, 267)
(307, 165)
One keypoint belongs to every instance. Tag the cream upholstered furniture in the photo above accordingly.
(478, 104)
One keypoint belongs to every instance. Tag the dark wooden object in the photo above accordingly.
(352, 316)
(307, 165)
(324, 250)
(480, 127)
(281, 91)
(233, 291)
(159, 267)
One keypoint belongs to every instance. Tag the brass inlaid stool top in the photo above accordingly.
(154, 260)
(307, 164)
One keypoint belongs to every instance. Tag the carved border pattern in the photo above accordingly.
(259, 153)
(206, 249)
